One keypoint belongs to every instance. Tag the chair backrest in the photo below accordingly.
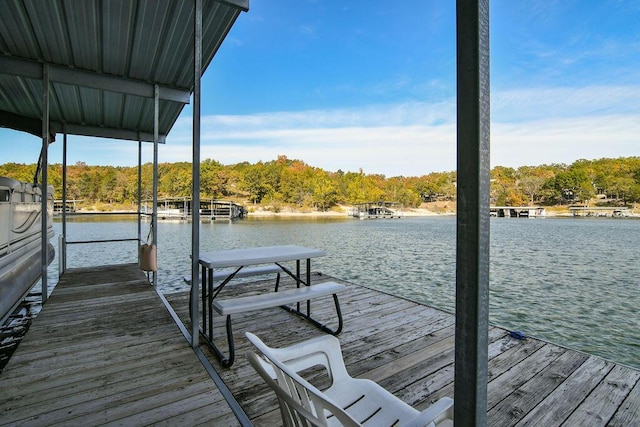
(323, 350)
(301, 404)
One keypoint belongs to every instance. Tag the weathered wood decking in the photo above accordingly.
(408, 349)
(105, 351)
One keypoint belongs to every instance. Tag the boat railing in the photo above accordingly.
(63, 243)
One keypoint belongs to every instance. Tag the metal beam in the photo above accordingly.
(105, 132)
(75, 77)
(34, 127)
(472, 248)
(238, 4)
(23, 123)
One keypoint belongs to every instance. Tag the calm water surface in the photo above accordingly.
(574, 282)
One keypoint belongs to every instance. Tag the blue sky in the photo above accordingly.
(371, 84)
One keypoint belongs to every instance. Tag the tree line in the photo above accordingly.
(288, 182)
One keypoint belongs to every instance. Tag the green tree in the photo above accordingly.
(324, 191)
(503, 186)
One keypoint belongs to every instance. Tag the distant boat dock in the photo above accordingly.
(602, 211)
(376, 210)
(517, 211)
(71, 206)
(179, 209)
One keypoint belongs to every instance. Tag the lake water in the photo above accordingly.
(570, 281)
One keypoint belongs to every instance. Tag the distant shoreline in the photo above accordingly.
(342, 211)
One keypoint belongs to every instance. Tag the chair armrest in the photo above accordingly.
(440, 411)
(323, 350)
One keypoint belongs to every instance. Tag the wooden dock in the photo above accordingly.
(376, 210)
(104, 350)
(179, 209)
(408, 348)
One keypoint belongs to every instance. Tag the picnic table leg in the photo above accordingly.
(204, 300)
(277, 282)
(209, 302)
(322, 327)
(224, 360)
(298, 280)
(309, 284)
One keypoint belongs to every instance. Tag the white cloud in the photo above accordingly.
(390, 150)
(529, 127)
(564, 140)
(380, 139)
(557, 102)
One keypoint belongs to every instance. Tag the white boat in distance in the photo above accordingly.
(20, 241)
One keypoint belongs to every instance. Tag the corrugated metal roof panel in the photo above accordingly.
(136, 42)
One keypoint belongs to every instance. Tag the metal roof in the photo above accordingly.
(104, 59)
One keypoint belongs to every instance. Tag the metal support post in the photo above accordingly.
(139, 192)
(472, 248)
(45, 181)
(195, 208)
(154, 218)
(62, 247)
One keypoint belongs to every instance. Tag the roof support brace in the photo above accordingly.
(472, 248)
(44, 197)
(104, 132)
(33, 70)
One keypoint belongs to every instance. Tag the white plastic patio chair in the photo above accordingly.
(348, 401)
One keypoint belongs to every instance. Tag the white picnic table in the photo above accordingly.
(225, 265)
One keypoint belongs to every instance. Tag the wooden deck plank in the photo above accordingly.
(408, 348)
(168, 398)
(629, 412)
(521, 401)
(63, 407)
(561, 402)
(109, 345)
(136, 374)
(91, 344)
(605, 399)
(75, 367)
(104, 350)
(508, 380)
